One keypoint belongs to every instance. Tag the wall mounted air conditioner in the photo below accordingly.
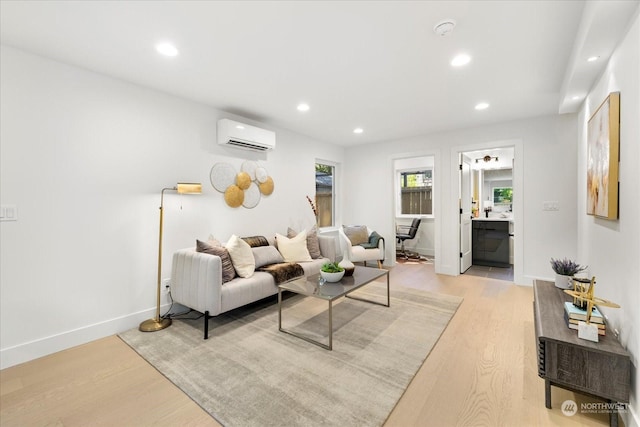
(240, 135)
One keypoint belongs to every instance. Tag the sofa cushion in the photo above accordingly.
(266, 255)
(294, 249)
(313, 246)
(241, 256)
(228, 272)
(357, 234)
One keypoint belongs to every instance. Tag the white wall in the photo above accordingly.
(612, 248)
(547, 147)
(84, 157)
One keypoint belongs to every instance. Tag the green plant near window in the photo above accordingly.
(502, 195)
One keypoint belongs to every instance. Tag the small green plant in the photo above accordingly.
(331, 267)
(566, 267)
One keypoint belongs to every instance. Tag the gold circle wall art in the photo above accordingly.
(243, 180)
(234, 196)
(241, 188)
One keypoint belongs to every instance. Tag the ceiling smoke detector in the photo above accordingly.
(444, 28)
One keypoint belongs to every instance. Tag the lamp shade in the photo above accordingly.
(189, 188)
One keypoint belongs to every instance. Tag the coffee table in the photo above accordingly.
(310, 286)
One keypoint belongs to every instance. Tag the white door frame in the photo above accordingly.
(518, 200)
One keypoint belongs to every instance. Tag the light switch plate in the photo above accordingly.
(8, 213)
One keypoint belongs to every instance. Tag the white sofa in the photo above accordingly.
(196, 281)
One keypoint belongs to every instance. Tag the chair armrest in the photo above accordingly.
(403, 229)
(380, 241)
(327, 247)
(196, 280)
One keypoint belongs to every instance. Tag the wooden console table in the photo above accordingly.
(601, 369)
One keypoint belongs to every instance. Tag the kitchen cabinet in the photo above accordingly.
(490, 243)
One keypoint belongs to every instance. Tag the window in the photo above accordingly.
(416, 192)
(325, 194)
(502, 195)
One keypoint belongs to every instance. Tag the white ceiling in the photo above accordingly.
(371, 64)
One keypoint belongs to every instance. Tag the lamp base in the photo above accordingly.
(152, 325)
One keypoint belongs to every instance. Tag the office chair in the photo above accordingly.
(404, 232)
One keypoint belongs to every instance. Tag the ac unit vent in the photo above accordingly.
(247, 145)
(245, 136)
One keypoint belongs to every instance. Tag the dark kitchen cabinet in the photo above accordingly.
(490, 243)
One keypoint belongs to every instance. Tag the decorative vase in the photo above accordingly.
(348, 266)
(331, 277)
(563, 282)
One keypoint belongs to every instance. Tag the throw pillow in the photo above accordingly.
(294, 249)
(312, 241)
(255, 241)
(228, 272)
(266, 255)
(241, 256)
(356, 233)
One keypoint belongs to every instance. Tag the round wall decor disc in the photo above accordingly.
(243, 180)
(234, 196)
(251, 196)
(266, 187)
(222, 176)
(249, 166)
(261, 174)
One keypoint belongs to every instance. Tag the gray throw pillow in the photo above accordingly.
(266, 255)
(356, 233)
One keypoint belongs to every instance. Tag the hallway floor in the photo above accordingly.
(499, 273)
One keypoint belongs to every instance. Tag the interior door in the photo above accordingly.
(465, 213)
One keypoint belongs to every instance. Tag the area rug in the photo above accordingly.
(249, 374)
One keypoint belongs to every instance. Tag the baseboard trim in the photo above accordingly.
(631, 418)
(35, 349)
(430, 252)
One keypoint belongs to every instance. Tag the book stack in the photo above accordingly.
(573, 315)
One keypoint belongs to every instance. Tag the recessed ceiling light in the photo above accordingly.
(166, 49)
(358, 130)
(482, 106)
(444, 28)
(303, 107)
(593, 58)
(460, 60)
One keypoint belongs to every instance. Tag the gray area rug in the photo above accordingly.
(249, 374)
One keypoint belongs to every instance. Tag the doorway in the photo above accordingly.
(487, 221)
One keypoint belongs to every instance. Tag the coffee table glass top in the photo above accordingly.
(310, 285)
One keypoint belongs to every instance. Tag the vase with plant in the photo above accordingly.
(565, 269)
(331, 272)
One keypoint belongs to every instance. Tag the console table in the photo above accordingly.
(601, 369)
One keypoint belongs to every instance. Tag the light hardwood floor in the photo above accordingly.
(482, 372)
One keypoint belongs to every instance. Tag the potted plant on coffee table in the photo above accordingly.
(565, 269)
(331, 272)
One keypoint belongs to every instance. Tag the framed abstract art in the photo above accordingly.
(603, 156)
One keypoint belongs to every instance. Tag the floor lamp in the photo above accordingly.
(158, 323)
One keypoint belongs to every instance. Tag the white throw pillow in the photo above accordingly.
(294, 249)
(241, 256)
